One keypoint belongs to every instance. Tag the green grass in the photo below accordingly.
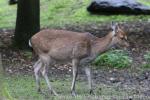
(7, 15)
(59, 13)
(22, 87)
(70, 12)
(145, 2)
(113, 59)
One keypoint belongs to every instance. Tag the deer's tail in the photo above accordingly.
(30, 43)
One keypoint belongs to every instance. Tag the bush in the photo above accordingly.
(113, 58)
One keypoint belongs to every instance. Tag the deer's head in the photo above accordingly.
(119, 37)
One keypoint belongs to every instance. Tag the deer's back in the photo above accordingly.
(61, 45)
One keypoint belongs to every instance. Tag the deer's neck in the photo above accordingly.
(100, 45)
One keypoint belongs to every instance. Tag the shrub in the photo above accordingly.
(113, 58)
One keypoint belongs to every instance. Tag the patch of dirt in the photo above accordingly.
(15, 62)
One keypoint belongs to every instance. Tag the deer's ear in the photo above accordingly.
(114, 27)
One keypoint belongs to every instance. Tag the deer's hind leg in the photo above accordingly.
(46, 62)
(37, 66)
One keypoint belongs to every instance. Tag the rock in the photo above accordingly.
(117, 7)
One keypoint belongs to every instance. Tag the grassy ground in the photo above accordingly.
(23, 88)
(58, 13)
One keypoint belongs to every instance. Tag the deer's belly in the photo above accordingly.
(67, 54)
(61, 54)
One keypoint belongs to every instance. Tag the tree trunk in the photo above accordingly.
(27, 22)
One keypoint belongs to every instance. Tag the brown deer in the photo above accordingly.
(61, 46)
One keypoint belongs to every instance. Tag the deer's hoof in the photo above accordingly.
(92, 92)
(55, 93)
(39, 90)
(73, 93)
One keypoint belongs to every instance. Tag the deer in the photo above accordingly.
(62, 46)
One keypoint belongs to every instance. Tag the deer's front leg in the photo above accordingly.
(75, 64)
(89, 78)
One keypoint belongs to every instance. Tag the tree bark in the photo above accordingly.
(27, 22)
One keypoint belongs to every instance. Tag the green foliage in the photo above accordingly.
(147, 65)
(114, 58)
